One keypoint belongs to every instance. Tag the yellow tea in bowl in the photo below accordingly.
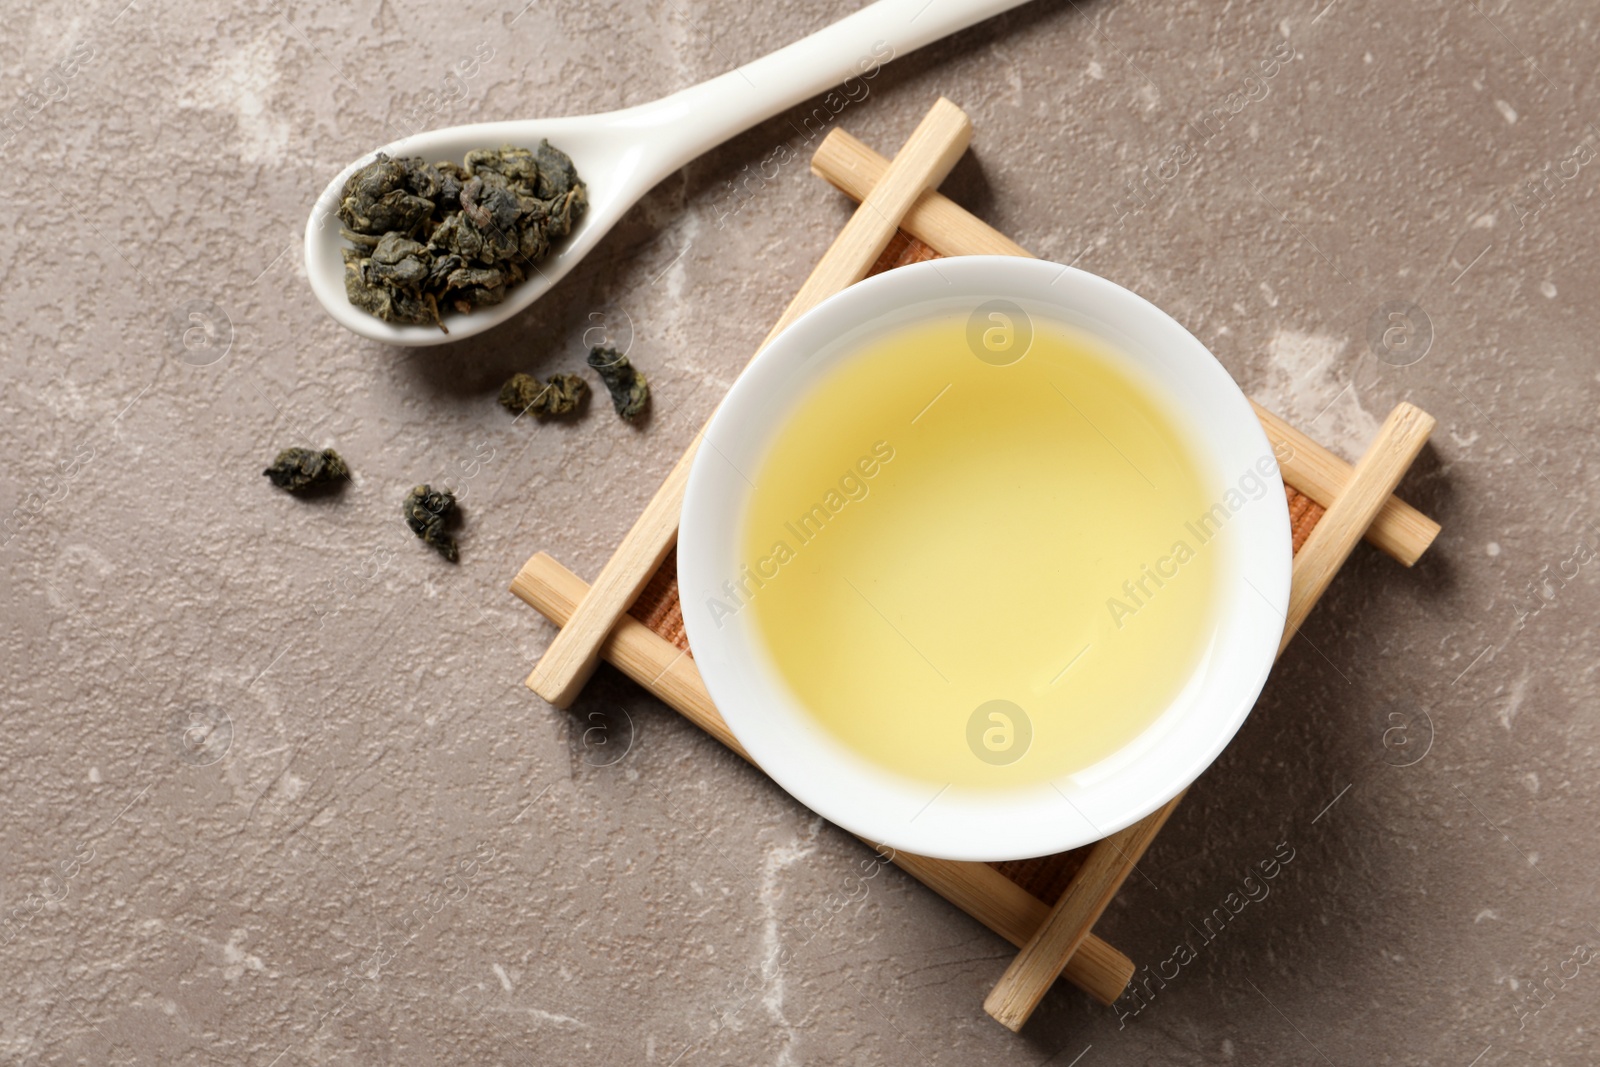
(982, 573)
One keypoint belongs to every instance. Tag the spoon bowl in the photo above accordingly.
(612, 164)
(620, 155)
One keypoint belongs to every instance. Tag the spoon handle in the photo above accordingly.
(695, 120)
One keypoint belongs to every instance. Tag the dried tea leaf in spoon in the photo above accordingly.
(431, 238)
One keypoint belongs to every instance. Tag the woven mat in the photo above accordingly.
(659, 609)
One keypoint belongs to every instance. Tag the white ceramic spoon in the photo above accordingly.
(623, 154)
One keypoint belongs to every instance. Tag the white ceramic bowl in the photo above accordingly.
(791, 746)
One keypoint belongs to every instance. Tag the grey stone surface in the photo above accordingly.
(399, 855)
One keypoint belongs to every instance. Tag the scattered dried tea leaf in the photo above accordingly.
(298, 469)
(430, 512)
(431, 237)
(630, 393)
(561, 395)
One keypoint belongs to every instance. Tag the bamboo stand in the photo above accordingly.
(631, 618)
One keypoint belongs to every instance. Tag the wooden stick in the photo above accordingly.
(1400, 529)
(937, 221)
(660, 666)
(1064, 930)
(976, 888)
(1399, 439)
(933, 148)
(1014, 913)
